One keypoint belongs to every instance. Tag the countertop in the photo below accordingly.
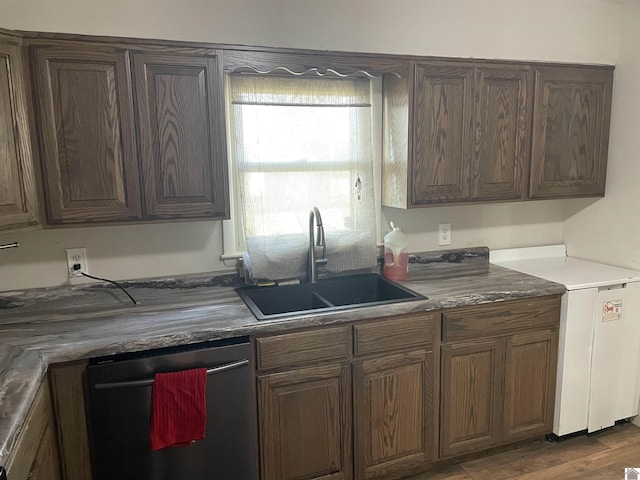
(43, 326)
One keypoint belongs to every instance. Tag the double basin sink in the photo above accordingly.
(327, 295)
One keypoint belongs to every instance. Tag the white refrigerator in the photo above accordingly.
(598, 378)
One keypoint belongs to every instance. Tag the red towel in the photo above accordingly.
(178, 408)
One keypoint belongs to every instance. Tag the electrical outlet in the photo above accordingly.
(444, 234)
(635, 263)
(76, 256)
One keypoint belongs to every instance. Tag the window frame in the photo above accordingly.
(233, 239)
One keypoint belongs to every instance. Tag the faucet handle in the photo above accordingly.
(320, 240)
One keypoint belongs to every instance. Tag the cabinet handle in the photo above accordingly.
(144, 383)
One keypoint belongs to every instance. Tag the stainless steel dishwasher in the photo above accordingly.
(120, 410)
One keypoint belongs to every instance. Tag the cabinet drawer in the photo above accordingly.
(404, 332)
(500, 318)
(304, 347)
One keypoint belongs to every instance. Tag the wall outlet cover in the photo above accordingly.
(76, 256)
(444, 234)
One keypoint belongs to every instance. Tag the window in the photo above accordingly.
(299, 143)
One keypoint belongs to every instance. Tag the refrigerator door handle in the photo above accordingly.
(143, 383)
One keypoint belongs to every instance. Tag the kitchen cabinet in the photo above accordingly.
(182, 139)
(442, 132)
(85, 113)
(382, 370)
(18, 194)
(35, 454)
(67, 388)
(529, 380)
(471, 383)
(394, 395)
(502, 125)
(570, 140)
(103, 163)
(304, 407)
(455, 131)
(467, 126)
(305, 423)
(458, 132)
(498, 373)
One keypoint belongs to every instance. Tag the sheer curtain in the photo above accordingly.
(299, 143)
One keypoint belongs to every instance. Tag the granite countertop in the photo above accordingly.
(43, 326)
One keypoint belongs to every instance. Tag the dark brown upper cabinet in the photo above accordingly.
(442, 122)
(467, 134)
(502, 124)
(134, 130)
(181, 129)
(572, 111)
(18, 197)
(459, 132)
(87, 134)
(105, 162)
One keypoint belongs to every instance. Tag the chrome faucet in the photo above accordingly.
(313, 262)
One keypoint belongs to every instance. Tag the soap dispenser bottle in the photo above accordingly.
(396, 257)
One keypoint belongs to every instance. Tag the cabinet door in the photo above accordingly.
(35, 453)
(572, 110)
(87, 134)
(502, 126)
(305, 424)
(70, 411)
(46, 465)
(394, 429)
(442, 121)
(182, 135)
(18, 198)
(471, 396)
(530, 380)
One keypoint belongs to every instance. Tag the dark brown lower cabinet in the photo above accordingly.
(46, 465)
(470, 401)
(305, 423)
(498, 390)
(529, 379)
(71, 420)
(35, 453)
(393, 398)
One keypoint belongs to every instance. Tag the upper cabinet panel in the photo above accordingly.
(442, 133)
(182, 140)
(572, 111)
(18, 198)
(502, 126)
(482, 132)
(86, 121)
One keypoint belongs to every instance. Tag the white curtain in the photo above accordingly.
(300, 143)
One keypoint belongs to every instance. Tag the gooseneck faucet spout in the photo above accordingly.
(313, 262)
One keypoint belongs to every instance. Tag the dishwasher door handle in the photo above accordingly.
(144, 383)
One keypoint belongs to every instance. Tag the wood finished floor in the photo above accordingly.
(599, 456)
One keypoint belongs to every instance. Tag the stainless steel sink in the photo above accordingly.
(337, 293)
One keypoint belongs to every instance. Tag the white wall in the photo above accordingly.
(609, 230)
(553, 30)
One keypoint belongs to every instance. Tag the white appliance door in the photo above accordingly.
(571, 412)
(614, 364)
